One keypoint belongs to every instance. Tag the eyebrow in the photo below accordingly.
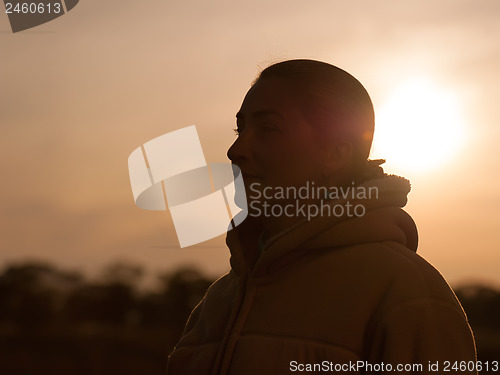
(260, 113)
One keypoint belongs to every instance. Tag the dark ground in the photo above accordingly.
(57, 322)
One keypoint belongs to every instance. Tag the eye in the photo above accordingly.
(239, 129)
(240, 126)
(268, 127)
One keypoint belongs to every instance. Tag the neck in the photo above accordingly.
(275, 225)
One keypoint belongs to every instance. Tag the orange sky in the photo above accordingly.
(78, 94)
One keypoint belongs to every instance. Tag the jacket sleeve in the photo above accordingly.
(193, 317)
(428, 332)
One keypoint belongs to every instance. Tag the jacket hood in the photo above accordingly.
(383, 220)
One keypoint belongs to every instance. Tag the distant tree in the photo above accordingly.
(100, 303)
(32, 294)
(481, 304)
(110, 300)
(123, 273)
(178, 294)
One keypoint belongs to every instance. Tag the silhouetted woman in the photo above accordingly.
(324, 272)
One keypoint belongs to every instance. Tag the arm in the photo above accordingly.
(424, 331)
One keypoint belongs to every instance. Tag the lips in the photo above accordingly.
(245, 174)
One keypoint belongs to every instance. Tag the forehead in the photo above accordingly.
(269, 94)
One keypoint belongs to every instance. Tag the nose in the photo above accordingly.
(238, 152)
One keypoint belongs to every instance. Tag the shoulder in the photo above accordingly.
(408, 279)
(391, 273)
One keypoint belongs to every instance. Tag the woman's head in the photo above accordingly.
(303, 120)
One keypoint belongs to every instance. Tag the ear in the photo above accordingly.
(338, 156)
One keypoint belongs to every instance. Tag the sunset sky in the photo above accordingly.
(80, 93)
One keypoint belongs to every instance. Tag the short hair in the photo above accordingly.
(332, 97)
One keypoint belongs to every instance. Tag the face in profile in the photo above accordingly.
(276, 146)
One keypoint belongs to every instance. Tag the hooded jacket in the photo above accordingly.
(329, 295)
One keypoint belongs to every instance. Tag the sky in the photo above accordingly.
(80, 93)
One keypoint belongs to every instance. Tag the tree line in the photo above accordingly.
(57, 321)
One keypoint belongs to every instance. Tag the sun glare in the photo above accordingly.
(418, 128)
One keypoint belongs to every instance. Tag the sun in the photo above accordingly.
(418, 128)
